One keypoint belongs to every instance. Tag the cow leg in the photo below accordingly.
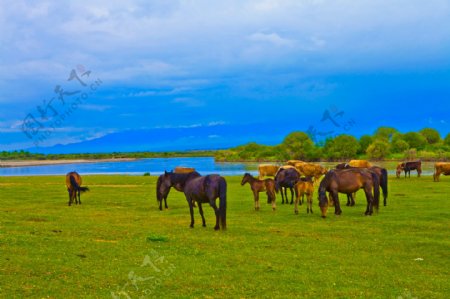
(200, 209)
(309, 197)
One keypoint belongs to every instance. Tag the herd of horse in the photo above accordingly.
(297, 176)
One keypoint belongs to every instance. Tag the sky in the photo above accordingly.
(73, 71)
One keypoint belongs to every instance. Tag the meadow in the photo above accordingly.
(117, 244)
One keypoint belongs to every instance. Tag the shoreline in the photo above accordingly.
(27, 163)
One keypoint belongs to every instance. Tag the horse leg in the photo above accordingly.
(282, 196)
(191, 210)
(419, 172)
(274, 205)
(309, 198)
(165, 203)
(79, 199)
(348, 200)
(292, 195)
(297, 199)
(200, 209)
(337, 206)
(353, 196)
(369, 197)
(212, 203)
(70, 197)
(256, 197)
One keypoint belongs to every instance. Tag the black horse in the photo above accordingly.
(286, 178)
(200, 189)
(206, 189)
(349, 181)
(169, 180)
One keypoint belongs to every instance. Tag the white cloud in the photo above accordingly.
(189, 102)
(272, 38)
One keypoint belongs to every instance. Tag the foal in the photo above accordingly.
(267, 185)
(304, 186)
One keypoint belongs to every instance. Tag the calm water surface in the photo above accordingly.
(156, 166)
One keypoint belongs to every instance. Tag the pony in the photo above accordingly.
(169, 180)
(286, 178)
(304, 186)
(349, 181)
(257, 186)
(73, 183)
(408, 166)
(206, 189)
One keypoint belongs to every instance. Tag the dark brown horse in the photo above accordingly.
(73, 183)
(169, 180)
(349, 181)
(206, 189)
(408, 166)
(257, 186)
(382, 178)
(286, 178)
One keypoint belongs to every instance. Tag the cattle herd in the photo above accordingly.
(301, 178)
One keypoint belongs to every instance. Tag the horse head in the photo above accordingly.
(245, 179)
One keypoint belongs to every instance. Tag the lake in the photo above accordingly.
(156, 166)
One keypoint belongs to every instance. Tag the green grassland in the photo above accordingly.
(117, 244)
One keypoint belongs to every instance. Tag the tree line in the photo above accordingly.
(385, 143)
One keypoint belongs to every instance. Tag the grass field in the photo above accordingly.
(117, 244)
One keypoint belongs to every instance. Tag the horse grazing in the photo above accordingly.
(73, 183)
(382, 178)
(440, 168)
(286, 178)
(257, 186)
(267, 170)
(180, 169)
(169, 180)
(206, 189)
(347, 182)
(408, 166)
(304, 186)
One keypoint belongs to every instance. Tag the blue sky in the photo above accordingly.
(203, 63)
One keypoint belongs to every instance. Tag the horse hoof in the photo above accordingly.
(216, 228)
(324, 217)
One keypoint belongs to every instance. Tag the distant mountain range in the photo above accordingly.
(211, 137)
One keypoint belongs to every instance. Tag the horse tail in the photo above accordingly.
(384, 184)
(75, 185)
(223, 203)
(376, 190)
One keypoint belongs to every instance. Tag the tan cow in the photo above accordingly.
(311, 170)
(267, 170)
(360, 163)
(180, 169)
(293, 162)
(441, 168)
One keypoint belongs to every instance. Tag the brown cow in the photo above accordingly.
(441, 168)
(180, 169)
(293, 162)
(267, 170)
(359, 163)
(311, 170)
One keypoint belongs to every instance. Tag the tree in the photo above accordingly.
(297, 145)
(379, 149)
(415, 140)
(342, 147)
(398, 143)
(364, 143)
(385, 133)
(447, 139)
(431, 135)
